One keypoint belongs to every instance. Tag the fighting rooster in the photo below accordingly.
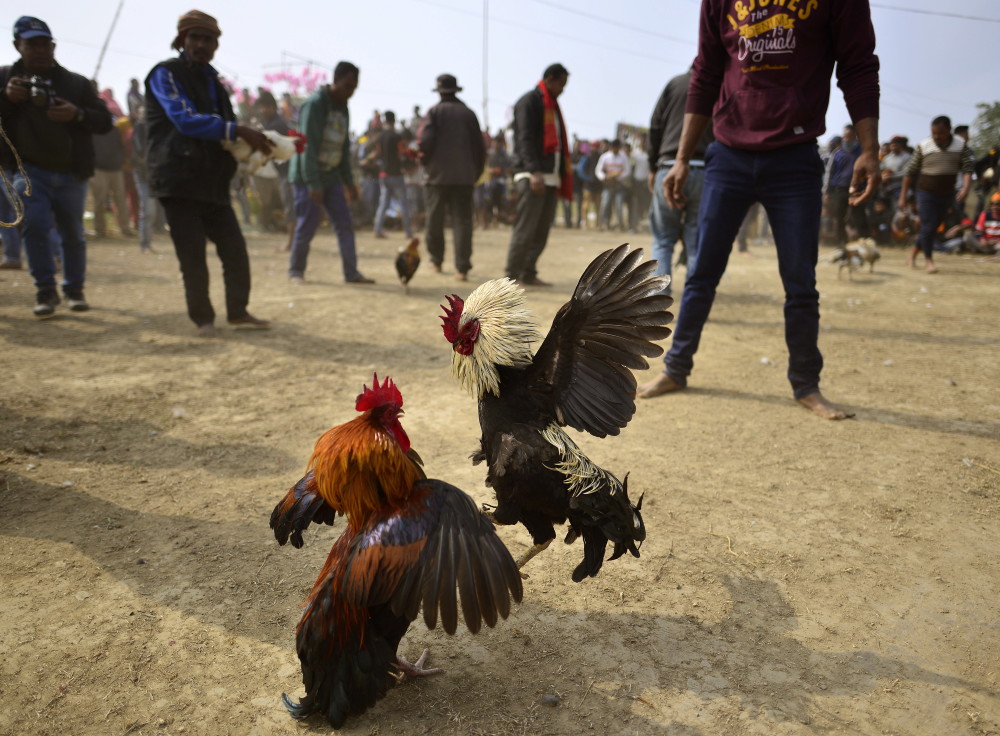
(580, 377)
(410, 541)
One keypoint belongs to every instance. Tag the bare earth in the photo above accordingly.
(801, 576)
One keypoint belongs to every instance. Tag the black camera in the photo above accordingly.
(40, 92)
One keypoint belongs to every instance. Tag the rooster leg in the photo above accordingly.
(523, 559)
(408, 671)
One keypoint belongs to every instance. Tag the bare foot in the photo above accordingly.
(931, 268)
(818, 404)
(408, 671)
(662, 384)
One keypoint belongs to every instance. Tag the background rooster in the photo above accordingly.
(855, 255)
(407, 262)
(580, 377)
(409, 543)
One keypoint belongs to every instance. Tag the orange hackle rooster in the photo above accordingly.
(581, 376)
(410, 542)
(407, 262)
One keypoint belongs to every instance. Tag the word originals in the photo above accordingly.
(802, 8)
(780, 42)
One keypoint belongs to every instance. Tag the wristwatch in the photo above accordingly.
(81, 114)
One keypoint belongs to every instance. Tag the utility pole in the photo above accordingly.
(104, 48)
(486, 64)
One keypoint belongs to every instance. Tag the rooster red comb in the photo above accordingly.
(385, 395)
(300, 140)
(452, 314)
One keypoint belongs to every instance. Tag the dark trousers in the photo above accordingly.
(932, 209)
(788, 182)
(531, 229)
(837, 208)
(192, 224)
(456, 199)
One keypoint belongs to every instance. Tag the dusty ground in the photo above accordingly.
(800, 576)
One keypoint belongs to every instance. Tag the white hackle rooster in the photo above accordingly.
(285, 146)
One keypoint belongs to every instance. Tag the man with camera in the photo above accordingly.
(50, 114)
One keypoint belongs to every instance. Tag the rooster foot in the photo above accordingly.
(490, 513)
(408, 671)
(534, 550)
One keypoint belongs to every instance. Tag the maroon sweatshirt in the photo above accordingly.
(764, 66)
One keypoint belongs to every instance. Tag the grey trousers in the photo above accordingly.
(531, 229)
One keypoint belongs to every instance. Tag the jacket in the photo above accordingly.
(180, 165)
(326, 160)
(62, 147)
(529, 135)
(451, 144)
(666, 124)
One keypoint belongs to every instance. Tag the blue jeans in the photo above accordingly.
(788, 182)
(307, 215)
(667, 224)
(932, 209)
(613, 192)
(55, 198)
(146, 205)
(11, 236)
(392, 187)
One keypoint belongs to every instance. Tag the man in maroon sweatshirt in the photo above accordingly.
(762, 77)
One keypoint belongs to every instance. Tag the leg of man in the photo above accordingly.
(620, 207)
(99, 186)
(836, 203)
(604, 214)
(36, 226)
(145, 214)
(307, 214)
(397, 188)
(726, 197)
(437, 204)
(461, 215)
(223, 229)
(790, 188)
(932, 210)
(187, 231)
(543, 226)
(384, 195)
(116, 184)
(527, 216)
(69, 196)
(337, 209)
(665, 226)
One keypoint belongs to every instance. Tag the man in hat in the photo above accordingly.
(50, 115)
(542, 172)
(189, 114)
(453, 154)
(321, 175)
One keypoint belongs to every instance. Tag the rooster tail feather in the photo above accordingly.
(301, 506)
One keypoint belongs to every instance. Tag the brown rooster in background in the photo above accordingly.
(407, 262)
(580, 377)
(409, 543)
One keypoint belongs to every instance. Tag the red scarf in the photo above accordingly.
(552, 142)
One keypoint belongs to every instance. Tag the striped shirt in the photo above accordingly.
(938, 167)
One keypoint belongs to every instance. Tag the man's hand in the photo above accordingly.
(61, 111)
(16, 90)
(537, 183)
(867, 175)
(962, 194)
(257, 140)
(673, 185)
(901, 205)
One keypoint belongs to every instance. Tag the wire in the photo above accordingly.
(931, 12)
(613, 22)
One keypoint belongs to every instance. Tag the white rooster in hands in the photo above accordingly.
(285, 146)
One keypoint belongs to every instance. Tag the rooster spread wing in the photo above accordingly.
(603, 333)
(419, 555)
(301, 506)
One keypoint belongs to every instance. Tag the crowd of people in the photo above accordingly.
(157, 165)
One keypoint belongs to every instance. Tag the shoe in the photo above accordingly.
(46, 304)
(461, 276)
(11, 266)
(76, 301)
(207, 330)
(147, 249)
(359, 279)
(296, 280)
(381, 236)
(533, 281)
(249, 322)
(436, 267)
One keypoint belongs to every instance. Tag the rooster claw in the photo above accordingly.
(408, 671)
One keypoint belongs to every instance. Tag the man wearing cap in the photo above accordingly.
(542, 173)
(188, 115)
(50, 114)
(321, 175)
(453, 153)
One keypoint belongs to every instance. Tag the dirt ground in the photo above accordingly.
(800, 576)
